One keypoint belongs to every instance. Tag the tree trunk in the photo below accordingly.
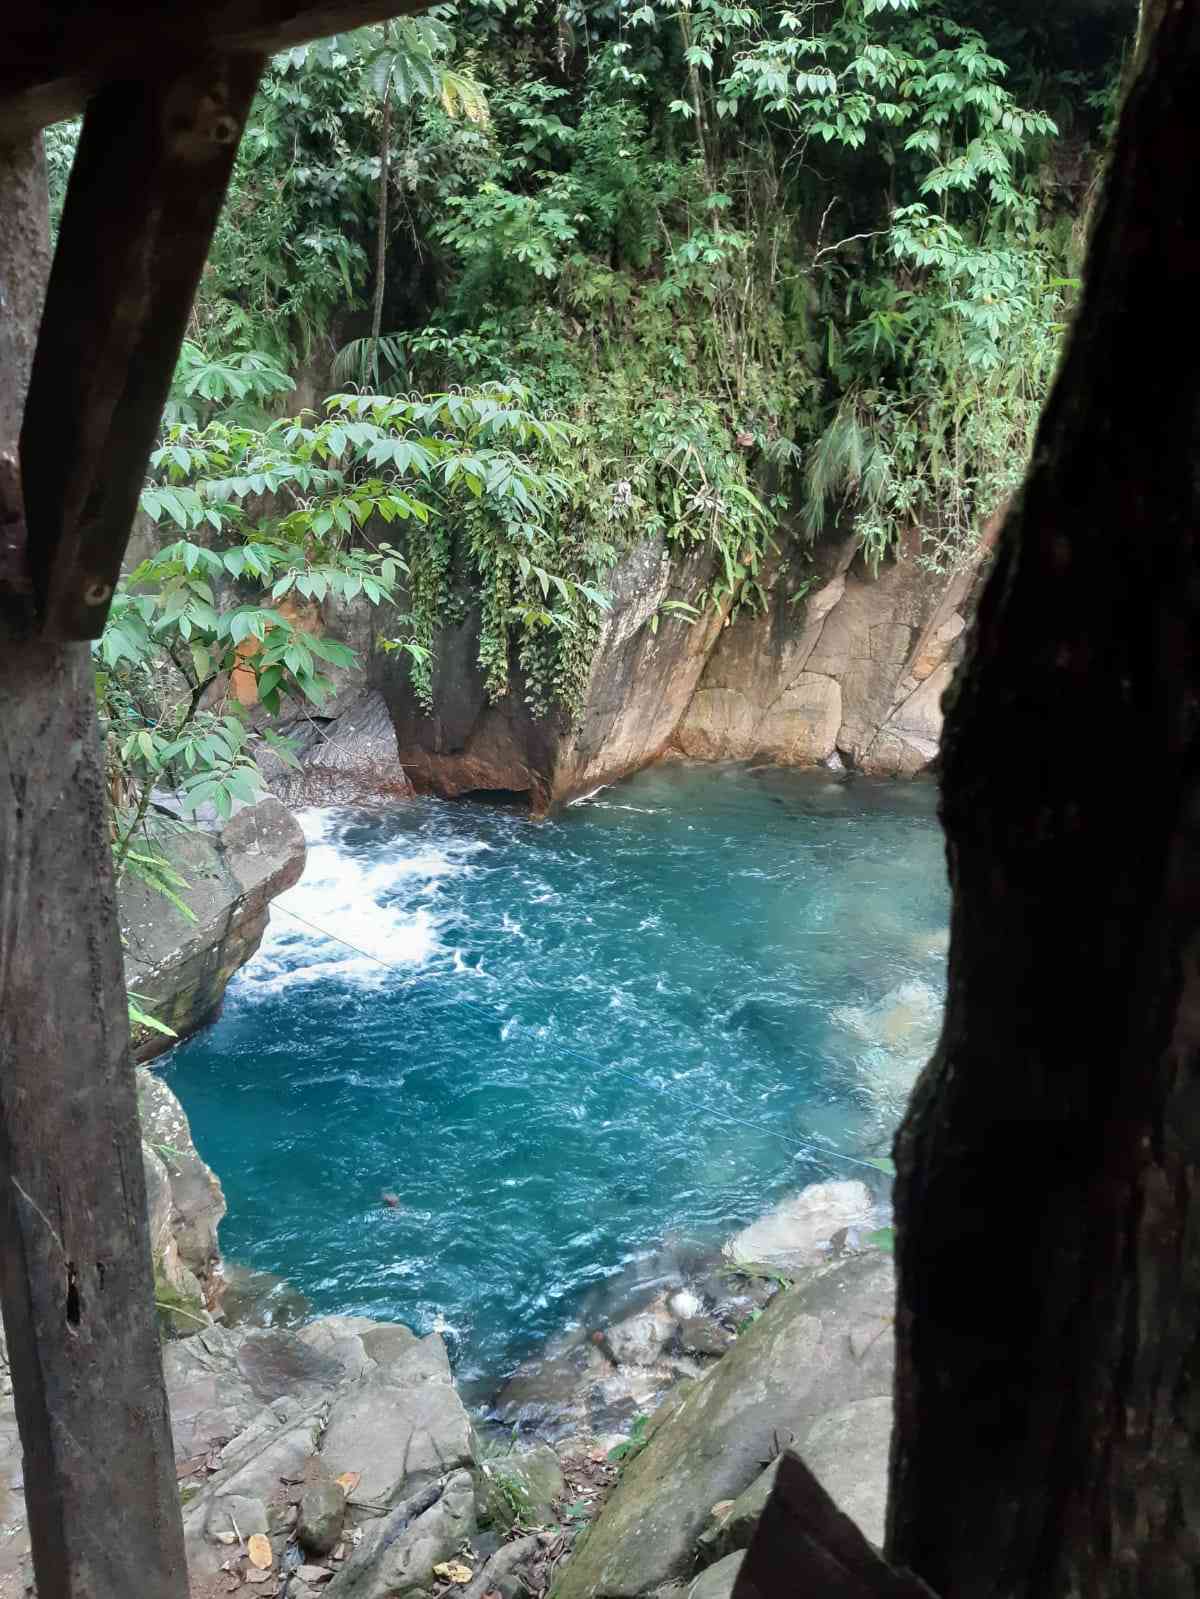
(75, 1271)
(697, 99)
(385, 168)
(1048, 1197)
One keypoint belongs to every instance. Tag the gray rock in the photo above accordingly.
(253, 1467)
(344, 758)
(275, 1361)
(717, 1582)
(520, 1486)
(791, 1236)
(322, 1510)
(217, 1380)
(501, 1574)
(640, 1340)
(185, 1218)
(791, 1367)
(181, 967)
(313, 1575)
(236, 1514)
(847, 1450)
(210, 1400)
(699, 1335)
(399, 1551)
(401, 1426)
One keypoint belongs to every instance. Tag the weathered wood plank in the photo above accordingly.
(54, 54)
(151, 170)
(75, 1274)
(804, 1546)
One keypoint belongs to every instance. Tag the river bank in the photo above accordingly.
(341, 1454)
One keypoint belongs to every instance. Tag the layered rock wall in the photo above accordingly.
(856, 669)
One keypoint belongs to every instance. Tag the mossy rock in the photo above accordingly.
(179, 1315)
(519, 1487)
(824, 1345)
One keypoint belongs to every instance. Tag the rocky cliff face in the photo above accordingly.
(855, 669)
(185, 1204)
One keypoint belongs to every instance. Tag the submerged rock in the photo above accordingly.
(796, 1233)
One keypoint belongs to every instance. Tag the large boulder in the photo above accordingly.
(179, 966)
(400, 1427)
(398, 1553)
(847, 1451)
(826, 1344)
(641, 680)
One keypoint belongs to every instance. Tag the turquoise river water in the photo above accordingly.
(642, 1021)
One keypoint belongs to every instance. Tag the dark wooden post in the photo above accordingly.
(1048, 1200)
(76, 1276)
(1047, 1438)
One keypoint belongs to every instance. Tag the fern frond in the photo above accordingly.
(364, 361)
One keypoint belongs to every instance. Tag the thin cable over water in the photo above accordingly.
(595, 1065)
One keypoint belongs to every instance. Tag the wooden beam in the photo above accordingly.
(153, 163)
(804, 1546)
(75, 1270)
(55, 54)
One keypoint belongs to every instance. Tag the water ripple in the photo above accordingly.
(561, 1044)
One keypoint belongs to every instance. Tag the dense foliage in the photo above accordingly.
(720, 274)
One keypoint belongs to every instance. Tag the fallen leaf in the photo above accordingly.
(453, 1571)
(348, 1481)
(721, 1509)
(259, 1550)
(258, 1576)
